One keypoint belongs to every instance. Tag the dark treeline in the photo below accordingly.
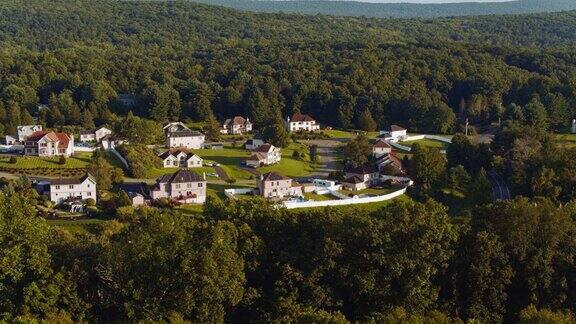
(246, 261)
(185, 60)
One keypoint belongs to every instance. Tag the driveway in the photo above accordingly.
(328, 152)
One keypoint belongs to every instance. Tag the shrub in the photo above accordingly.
(13, 160)
(62, 160)
(90, 202)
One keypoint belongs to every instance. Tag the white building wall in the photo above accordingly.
(190, 142)
(86, 189)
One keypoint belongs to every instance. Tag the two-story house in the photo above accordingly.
(236, 125)
(265, 154)
(79, 189)
(361, 178)
(184, 186)
(49, 144)
(180, 158)
(300, 122)
(275, 185)
(179, 135)
(381, 148)
(394, 134)
(95, 135)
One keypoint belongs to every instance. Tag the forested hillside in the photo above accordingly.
(398, 10)
(184, 60)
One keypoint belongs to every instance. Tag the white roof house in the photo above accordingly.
(73, 189)
(180, 158)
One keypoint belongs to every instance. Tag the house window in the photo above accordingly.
(89, 194)
(200, 185)
(57, 187)
(189, 185)
(71, 187)
(177, 186)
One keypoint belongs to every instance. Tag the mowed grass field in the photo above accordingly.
(78, 160)
(427, 143)
(289, 166)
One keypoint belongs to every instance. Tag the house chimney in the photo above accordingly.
(261, 177)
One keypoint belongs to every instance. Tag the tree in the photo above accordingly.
(212, 128)
(484, 276)
(543, 184)
(31, 288)
(366, 122)
(276, 134)
(536, 115)
(357, 152)
(480, 190)
(427, 167)
(153, 285)
(532, 315)
(103, 172)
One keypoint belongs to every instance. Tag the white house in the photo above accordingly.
(81, 189)
(236, 125)
(27, 130)
(301, 122)
(361, 178)
(95, 135)
(49, 144)
(253, 144)
(394, 134)
(180, 158)
(381, 148)
(184, 186)
(275, 185)
(186, 138)
(266, 154)
(174, 127)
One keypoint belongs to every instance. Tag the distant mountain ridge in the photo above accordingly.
(397, 10)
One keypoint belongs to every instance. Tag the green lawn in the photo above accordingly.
(157, 172)
(427, 143)
(317, 197)
(335, 133)
(78, 160)
(229, 158)
(289, 166)
(90, 225)
(370, 191)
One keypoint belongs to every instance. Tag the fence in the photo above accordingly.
(343, 202)
(421, 137)
(230, 193)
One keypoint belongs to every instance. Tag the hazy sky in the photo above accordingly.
(430, 1)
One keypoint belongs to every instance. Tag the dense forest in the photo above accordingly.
(185, 60)
(424, 258)
(398, 10)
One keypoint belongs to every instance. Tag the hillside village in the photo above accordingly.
(188, 165)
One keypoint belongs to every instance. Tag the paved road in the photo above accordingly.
(221, 173)
(327, 150)
(500, 190)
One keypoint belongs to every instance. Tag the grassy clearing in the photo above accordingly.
(317, 197)
(229, 158)
(370, 191)
(427, 143)
(335, 133)
(288, 166)
(79, 226)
